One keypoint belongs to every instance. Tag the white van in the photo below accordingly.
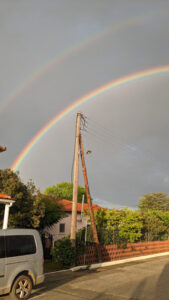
(21, 262)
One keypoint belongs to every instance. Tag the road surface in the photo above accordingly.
(141, 280)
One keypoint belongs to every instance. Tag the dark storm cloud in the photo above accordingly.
(130, 156)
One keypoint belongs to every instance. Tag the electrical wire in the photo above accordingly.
(104, 134)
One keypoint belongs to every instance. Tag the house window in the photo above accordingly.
(62, 227)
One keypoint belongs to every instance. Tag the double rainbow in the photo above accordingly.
(115, 83)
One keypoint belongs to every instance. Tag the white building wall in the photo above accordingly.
(55, 229)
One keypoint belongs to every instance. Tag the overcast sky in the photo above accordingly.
(80, 46)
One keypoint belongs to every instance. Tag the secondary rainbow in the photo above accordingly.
(62, 56)
(115, 83)
(73, 49)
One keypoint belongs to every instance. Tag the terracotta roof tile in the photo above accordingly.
(4, 196)
(67, 205)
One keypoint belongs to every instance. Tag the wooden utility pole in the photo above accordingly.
(95, 236)
(75, 182)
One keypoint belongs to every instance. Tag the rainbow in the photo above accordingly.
(115, 83)
(66, 53)
(60, 57)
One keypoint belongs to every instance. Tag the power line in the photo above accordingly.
(103, 134)
(107, 133)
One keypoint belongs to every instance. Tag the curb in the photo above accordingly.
(57, 272)
(116, 262)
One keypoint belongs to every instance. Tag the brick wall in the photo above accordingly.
(111, 252)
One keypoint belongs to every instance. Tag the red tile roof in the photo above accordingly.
(67, 206)
(4, 196)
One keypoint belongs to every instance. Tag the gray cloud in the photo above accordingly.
(127, 126)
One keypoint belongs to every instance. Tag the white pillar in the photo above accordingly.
(6, 215)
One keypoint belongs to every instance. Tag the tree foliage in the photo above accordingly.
(118, 227)
(35, 210)
(154, 201)
(153, 226)
(53, 211)
(63, 253)
(130, 225)
(126, 225)
(64, 190)
(31, 209)
(26, 207)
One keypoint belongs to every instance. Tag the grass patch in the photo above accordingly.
(50, 266)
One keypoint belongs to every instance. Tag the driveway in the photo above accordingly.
(144, 280)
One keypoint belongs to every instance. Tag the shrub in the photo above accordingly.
(63, 253)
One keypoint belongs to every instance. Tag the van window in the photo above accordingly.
(2, 247)
(17, 245)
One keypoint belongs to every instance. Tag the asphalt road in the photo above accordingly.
(142, 280)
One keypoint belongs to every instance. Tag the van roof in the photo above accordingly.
(19, 231)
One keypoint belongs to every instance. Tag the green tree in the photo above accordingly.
(63, 254)
(120, 226)
(130, 225)
(100, 219)
(164, 217)
(31, 209)
(154, 201)
(153, 226)
(53, 211)
(27, 210)
(111, 232)
(64, 190)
